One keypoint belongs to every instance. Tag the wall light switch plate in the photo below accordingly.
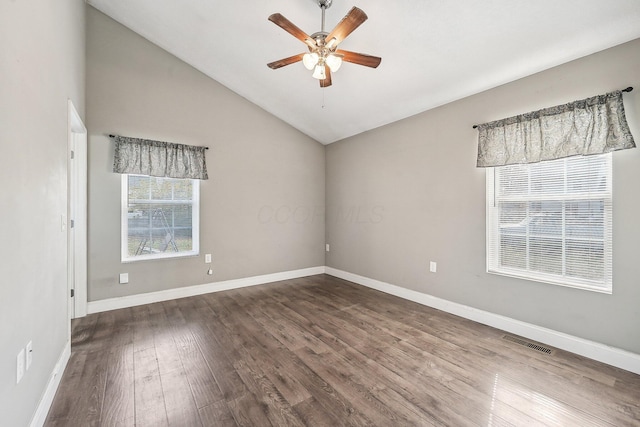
(207, 258)
(327, 248)
(20, 366)
(433, 266)
(124, 278)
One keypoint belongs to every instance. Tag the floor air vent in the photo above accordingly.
(536, 347)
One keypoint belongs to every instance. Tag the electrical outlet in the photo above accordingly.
(207, 258)
(29, 355)
(20, 366)
(433, 266)
(327, 248)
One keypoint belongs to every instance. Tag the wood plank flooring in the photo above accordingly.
(320, 351)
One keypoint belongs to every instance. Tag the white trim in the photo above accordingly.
(76, 212)
(169, 294)
(603, 353)
(40, 416)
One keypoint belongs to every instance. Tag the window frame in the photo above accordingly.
(493, 246)
(124, 223)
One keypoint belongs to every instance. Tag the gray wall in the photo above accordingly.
(258, 167)
(409, 193)
(41, 67)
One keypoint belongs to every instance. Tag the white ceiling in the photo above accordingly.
(433, 51)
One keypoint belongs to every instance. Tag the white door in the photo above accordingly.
(77, 224)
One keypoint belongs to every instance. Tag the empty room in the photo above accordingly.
(320, 212)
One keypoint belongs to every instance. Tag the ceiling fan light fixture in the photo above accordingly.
(319, 73)
(334, 62)
(309, 60)
(323, 58)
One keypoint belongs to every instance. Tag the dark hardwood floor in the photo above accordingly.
(321, 351)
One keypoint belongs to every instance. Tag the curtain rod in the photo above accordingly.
(629, 89)
(113, 136)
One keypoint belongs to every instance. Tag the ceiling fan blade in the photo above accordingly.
(359, 58)
(292, 29)
(327, 80)
(286, 61)
(350, 22)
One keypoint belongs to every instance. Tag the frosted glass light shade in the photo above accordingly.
(318, 72)
(309, 60)
(334, 62)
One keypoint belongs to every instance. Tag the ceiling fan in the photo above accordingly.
(324, 57)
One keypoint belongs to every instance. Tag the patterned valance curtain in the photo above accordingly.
(591, 126)
(158, 158)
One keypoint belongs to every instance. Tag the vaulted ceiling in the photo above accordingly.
(433, 51)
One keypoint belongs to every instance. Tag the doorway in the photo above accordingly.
(77, 214)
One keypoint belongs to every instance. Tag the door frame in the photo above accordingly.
(77, 214)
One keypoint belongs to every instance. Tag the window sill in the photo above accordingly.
(552, 280)
(162, 256)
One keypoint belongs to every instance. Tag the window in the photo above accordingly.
(552, 221)
(159, 217)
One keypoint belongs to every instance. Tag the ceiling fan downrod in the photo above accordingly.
(324, 5)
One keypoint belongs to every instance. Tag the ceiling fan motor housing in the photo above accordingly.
(320, 37)
(326, 4)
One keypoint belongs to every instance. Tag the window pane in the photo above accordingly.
(587, 174)
(585, 219)
(161, 188)
(545, 218)
(551, 221)
(513, 251)
(513, 216)
(138, 187)
(160, 217)
(547, 178)
(513, 180)
(585, 259)
(545, 255)
(182, 189)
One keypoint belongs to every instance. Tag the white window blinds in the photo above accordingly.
(552, 221)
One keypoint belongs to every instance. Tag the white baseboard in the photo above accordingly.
(603, 353)
(593, 350)
(189, 291)
(40, 416)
